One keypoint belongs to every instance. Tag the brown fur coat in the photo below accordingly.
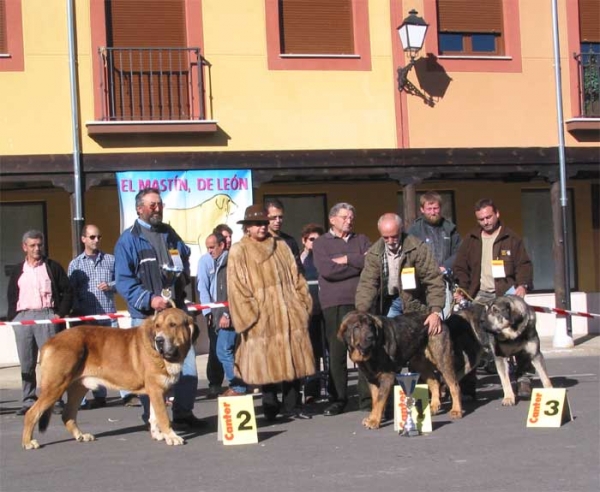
(270, 306)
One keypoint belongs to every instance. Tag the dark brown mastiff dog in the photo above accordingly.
(145, 360)
(381, 346)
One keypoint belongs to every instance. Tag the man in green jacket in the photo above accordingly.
(401, 269)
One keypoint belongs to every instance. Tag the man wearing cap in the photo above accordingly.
(270, 306)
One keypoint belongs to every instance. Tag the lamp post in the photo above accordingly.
(412, 33)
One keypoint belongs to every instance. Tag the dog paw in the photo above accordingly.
(508, 401)
(456, 414)
(371, 423)
(157, 435)
(435, 408)
(173, 439)
(85, 437)
(33, 444)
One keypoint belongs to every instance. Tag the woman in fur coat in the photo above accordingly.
(270, 307)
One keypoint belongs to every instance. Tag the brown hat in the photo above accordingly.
(254, 213)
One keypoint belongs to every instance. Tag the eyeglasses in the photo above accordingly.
(275, 217)
(346, 218)
(155, 205)
(311, 239)
(93, 238)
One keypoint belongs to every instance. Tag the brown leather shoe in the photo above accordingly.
(231, 392)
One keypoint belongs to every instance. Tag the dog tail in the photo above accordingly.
(45, 420)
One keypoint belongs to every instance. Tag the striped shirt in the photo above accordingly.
(85, 274)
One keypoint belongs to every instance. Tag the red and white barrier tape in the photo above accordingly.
(99, 317)
(565, 312)
(200, 307)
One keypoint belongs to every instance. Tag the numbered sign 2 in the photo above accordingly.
(549, 407)
(237, 421)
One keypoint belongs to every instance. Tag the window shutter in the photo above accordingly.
(3, 27)
(316, 27)
(589, 21)
(470, 16)
(149, 84)
(140, 23)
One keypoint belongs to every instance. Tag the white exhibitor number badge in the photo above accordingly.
(407, 277)
(177, 263)
(237, 421)
(498, 269)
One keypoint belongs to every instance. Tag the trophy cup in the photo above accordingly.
(408, 381)
(169, 275)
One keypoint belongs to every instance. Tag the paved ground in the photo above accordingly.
(490, 449)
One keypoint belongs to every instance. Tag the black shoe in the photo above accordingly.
(297, 413)
(270, 411)
(334, 409)
(59, 406)
(22, 411)
(131, 400)
(213, 392)
(190, 421)
(97, 402)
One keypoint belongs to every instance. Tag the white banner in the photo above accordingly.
(195, 202)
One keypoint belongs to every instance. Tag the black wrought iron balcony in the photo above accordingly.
(589, 83)
(152, 84)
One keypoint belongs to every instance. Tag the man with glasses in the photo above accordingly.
(92, 278)
(275, 213)
(142, 253)
(339, 256)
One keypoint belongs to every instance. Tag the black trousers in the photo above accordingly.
(214, 368)
(338, 365)
(290, 395)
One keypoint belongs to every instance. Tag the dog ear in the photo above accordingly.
(383, 336)
(342, 333)
(194, 329)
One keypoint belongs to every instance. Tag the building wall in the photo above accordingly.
(261, 109)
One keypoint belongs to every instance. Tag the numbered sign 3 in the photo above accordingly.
(549, 407)
(237, 421)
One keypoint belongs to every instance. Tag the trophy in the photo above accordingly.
(169, 275)
(408, 381)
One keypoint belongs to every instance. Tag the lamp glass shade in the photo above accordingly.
(412, 36)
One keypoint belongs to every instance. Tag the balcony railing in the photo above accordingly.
(589, 83)
(152, 84)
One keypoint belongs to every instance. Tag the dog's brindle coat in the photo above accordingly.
(143, 360)
(511, 323)
(381, 346)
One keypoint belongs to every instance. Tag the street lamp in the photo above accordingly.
(412, 33)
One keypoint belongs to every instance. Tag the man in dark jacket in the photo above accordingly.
(275, 212)
(38, 289)
(439, 234)
(490, 262)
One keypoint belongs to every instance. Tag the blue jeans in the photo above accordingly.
(184, 389)
(396, 308)
(225, 353)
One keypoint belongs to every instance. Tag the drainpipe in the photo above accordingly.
(563, 335)
(76, 198)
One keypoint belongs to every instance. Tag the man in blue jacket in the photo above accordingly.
(143, 254)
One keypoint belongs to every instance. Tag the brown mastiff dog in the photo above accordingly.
(381, 346)
(145, 360)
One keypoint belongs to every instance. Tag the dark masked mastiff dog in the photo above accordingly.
(381, 346)
(144, 360)
(511, 324)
